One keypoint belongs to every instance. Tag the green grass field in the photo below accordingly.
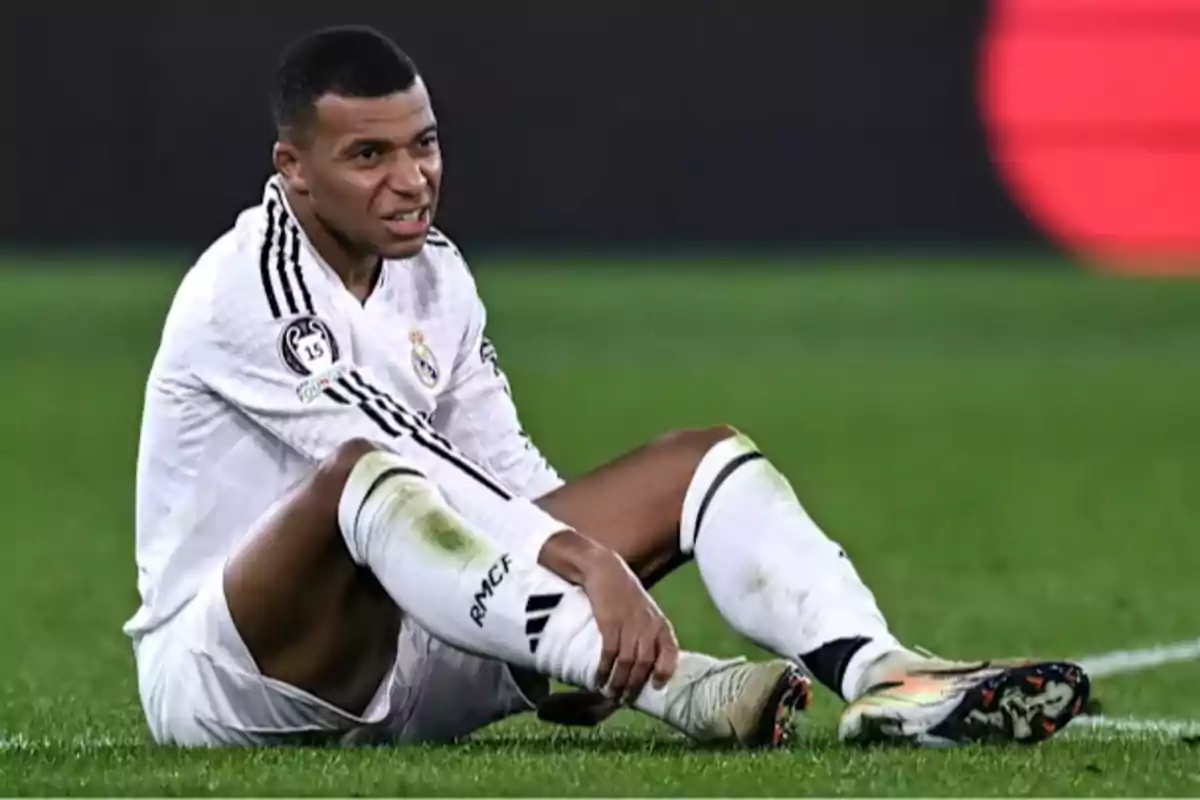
(1010, 456)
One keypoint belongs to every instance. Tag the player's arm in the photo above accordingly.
(477, 411)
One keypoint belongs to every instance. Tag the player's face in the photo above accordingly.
(372, 169)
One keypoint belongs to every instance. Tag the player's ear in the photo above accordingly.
(287, 161)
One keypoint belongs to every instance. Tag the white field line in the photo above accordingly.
(1124, 727)
(20, 742)
(1120, 662)
(1123, 662)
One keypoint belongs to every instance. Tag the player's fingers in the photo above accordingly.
(626, 654)
(610, 645)
(668, 657)
(644, 659)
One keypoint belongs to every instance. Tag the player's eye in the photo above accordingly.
(428, 141)
(367, 154)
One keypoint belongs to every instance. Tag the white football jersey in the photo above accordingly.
(267, 363)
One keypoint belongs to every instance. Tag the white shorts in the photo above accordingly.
(200, 687)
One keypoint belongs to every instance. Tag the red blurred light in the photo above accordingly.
(1093, 109)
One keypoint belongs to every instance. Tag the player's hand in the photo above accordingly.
(638, 640)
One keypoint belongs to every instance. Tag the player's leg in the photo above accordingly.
(774, 573)
(779, 580)
(305, 593)
(633, 504)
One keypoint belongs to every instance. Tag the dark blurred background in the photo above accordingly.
(623, 125)
(614, 124)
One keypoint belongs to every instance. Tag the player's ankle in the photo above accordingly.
(874, 663)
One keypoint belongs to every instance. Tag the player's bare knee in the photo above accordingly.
(718, 433)
(695, 442)
(335, 470)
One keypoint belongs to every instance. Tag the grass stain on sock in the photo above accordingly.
(447, 535)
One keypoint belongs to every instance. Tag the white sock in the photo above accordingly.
(772, 573)
(465, 589)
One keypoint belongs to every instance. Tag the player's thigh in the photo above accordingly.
(307, 613)
(633, 504)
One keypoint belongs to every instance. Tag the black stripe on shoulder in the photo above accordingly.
(287, 255)
(264, 260)
(281, 256)
(305, 295)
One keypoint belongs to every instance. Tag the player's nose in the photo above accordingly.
(407, 176)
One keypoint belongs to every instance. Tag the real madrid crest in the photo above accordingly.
(423, 361)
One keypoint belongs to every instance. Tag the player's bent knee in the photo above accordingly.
(697, 441)
(335, 470)
(369, 479)
(719, 433)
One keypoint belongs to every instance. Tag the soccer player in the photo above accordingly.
(344, 535)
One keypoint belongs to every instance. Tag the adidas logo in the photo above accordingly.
(537, 612)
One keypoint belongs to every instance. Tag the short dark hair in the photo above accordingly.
(347, 60)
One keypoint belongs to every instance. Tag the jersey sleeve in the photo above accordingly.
(295, 378)
(477, 411)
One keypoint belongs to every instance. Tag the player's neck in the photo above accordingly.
(359, 274)
(358, 270)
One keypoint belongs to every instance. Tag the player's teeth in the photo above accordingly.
(411, 216)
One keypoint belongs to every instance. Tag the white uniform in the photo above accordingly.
(267, 363)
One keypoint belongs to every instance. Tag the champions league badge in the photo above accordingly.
(307, 346)
(423, 362)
